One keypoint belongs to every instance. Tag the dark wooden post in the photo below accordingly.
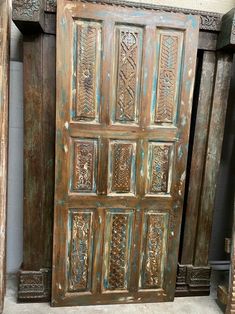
(4, 83)
(36, 20)
(216, 71)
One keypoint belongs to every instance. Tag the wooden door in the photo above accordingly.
(124, 92)
(4, 80)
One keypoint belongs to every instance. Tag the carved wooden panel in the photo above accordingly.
(129, 47)
(154, 250)
(86, 75)
(80, 250)
(159, 167)
(84, 166)
(168, 76)
(118, 236)
(129, 134)
(122, 167)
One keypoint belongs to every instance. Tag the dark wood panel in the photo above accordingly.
(4, 84)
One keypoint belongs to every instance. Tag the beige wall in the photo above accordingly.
(220, 6)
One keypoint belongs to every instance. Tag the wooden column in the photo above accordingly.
(216, 70)
(4, 83)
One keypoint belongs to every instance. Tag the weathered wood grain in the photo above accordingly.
(4, 84)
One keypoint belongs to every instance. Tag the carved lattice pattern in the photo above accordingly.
(152, 272)
(86, 71)
(81, 224)
(122, 155)
(160, 168)
(127, 76)
(84, 166)
(118, 252)
(167, 79)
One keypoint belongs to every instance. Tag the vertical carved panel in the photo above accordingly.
(129, 46)
(84, 166)
(80, 250)
(122, 163)
(117, 254)
(159, 167)
(86, 76)
(168, 77)
(154, 246)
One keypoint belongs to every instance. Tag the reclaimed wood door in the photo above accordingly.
(4, 83)
(124, 92)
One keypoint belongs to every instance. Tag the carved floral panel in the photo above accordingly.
(80, 250)
(154, 250)
(159, 167)
(122, 155)
(86, 71)
(84, 166)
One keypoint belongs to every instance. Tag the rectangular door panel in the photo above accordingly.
(124, 92)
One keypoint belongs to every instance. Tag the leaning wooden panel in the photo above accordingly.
(4, 83)
(123, 114)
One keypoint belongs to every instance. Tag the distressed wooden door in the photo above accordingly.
(124, 92)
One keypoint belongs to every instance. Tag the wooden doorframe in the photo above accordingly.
(4, 96)
(40, 21)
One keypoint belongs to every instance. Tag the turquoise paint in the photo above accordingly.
(180, 152)
(193, 21)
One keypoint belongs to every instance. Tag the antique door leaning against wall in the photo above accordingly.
(124, 92)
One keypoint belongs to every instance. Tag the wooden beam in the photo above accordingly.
(4, 84)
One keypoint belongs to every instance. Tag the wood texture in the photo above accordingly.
(130, 127)
(4, 84)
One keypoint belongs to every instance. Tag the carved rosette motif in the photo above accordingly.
(159, 168)
(167, 79)
(80, 242)
(26, 8)
(122, 155)
(84, 166)
(118, 252)
(127, 74)
(152, 266)
(87, 59)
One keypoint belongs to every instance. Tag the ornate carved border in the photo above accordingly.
(192, 280)
(34, 286)
(209, 20)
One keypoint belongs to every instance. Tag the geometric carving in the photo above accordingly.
(121, 167)
(26, 8)
(87, 41)
(168, 77)
(159, 167)
(155, 232)
(129, 47)
(80, 251)
(84, 166)
(118, 230)
(50, 5)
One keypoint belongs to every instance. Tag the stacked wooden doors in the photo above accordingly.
(124, 93)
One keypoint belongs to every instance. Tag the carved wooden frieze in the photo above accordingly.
(50, 5)
(29, 10)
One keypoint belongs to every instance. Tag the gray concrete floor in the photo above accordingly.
(190, 305)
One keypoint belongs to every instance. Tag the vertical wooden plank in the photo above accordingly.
(198, 156)
(215, 139)
(4, 83)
